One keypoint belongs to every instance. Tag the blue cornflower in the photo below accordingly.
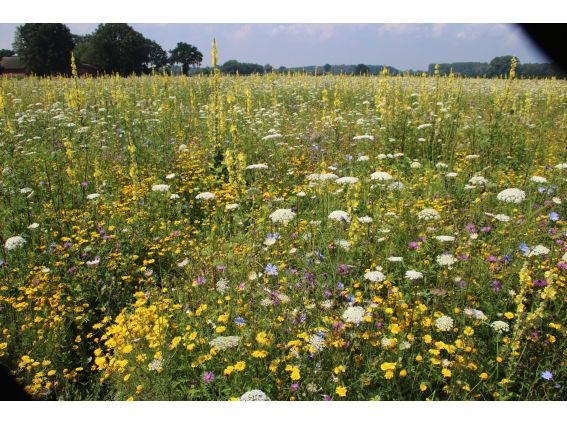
(524, 248)
(340, 286)
(547, 375)
(350, 298)
(240, 321)
(553, 216)
(271, 270)
(348, 157)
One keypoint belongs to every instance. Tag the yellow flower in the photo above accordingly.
(220, 329)
(341, 391)
(388, 366)
(259, 354)
(446, 373)
(427, 339)
(389, 374)
(423, 387)
(126, 349)
(468, 331)
(509, 315)
(240, 366)
(228, 370)
(403, 373)
(51, 372)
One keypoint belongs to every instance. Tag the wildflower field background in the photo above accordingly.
(310, 238)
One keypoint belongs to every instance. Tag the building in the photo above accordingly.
(14, 66)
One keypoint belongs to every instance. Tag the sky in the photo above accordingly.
(403, 46)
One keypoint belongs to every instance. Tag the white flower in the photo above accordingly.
(26, 190)
(170, 176)
(282, 215)
(223, 342)
(446, 260)
(500, 326)
(469, 157)
(538, 250)
(174, 196)
(538, 179)
(512, 195)
(316, 343)
(315, 223)
(354, 314)
(477, 314)
(272, 136)
(254, 395)
(33, 226)
(364, 137)
(413, 275)
(365, 219)
(205, 196)
(441, 165)
(327, 304)
(230, 207)
(562, 166)
(444, 323)
(94, 262)
(381, 176)
(347, 180)
(444, 238)
(415, 164)
(344, 244)
(301, 194)
(396, 186)
(374, 276)
(428, 214)
(395, 259)
(478, 181)
(14, 242)
(160, 187)
(183, 263)
(257, 167)
(156, 364)
(363, 158)
(222, 285)
(270, 241)
(93, 196)
(328, 176)
(422, 126)
(339, 216)
(564, 258)
(451, 175)
(387, 342)
(502, 217)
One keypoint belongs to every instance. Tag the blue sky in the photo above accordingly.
(403, 46)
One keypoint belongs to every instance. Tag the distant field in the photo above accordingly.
(313, 238)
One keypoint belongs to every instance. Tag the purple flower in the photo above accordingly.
(470, 228)
(340, 286)
(271, 270)
(327, 294)
(496, 286)
(492, 259)
(294, 387)
(540, 283)
(208, 377)
(486, 229)
(221, 268)
(524, 248)
(84, 184)
(200, 280)
(413, 245)
(547, 375)
(327, 397)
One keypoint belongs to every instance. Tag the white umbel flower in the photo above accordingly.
(444, 323)
(446, 260)
(512, 195)
(93, 196)
(257, 167)
(365, 219)
(538, 179)
(339, 216)
(445, 238)
(14, 242)
(500, 326)
(381, 176)
(364, 137)
(347, 180)
(538, 250)
(562, 166)
(205, 196)
(354, 314)
(160, 188)
(415, 164)
(223, 342)
(230, 207)
(282, 215)
(33, 226)
(222, 285)
(254, 395)
(413, 275)
(428, 214)
(478, 181)
(374, 276)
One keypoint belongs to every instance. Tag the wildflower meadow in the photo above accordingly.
(284, 237)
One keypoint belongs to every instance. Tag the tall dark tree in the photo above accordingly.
(158, 56)
(117, 48)
(327, 68)
(6, 52)
(500, 65)
(187, 55)
(361, 69)
(45, 48)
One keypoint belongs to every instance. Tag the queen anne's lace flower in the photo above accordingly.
(14, 242)
(254, 395)
(354, 314)
(282, 215)
(413, 275)
(478, 181)
(339, 216)
(500, 326)
(444, 323)
(205, 196)
(223, 342)
(512, 195)
(374, 276)
(446, 260)
(428, 214)
(160, 188)
(381, 176)
(347, 180)
(257, 167)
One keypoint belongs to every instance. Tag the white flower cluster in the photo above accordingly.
(339, 216)
(374, 276)
(538, 179)
(428, 214)
(257, 167)
(444, 323)
(365, 219)
(474, 313)
(93, 196)
(282, 215)
(354, 314)
(322, 177)
(222, 285)
(160, 188)
(538, 250)
(512, 196)
(254, 395)
(381, 176)
(413, 275)
(446, 260)
(478, 181)
(445, 238)
(14, 242)
(364, 137)
(500, 326)
(205, 196)
(347, 180)
(223, 342)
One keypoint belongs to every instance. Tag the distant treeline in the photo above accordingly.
(497, 67)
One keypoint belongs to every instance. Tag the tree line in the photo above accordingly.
(499, 66)
(112, 48)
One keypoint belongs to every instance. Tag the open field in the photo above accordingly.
(314, 238)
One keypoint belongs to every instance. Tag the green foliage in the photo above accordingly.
(361, 69)
(187, 55)
(6, 52)
(46, 48)
(233, 66)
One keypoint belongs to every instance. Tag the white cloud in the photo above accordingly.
(319, 31)
(242, 32)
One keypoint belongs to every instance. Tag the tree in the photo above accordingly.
(45, 48)
(500, 65)
(158, 56)
(361, 69)
(327, 68)
(117, 48)
(268, 68)
(187, 55)
(6, 52)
